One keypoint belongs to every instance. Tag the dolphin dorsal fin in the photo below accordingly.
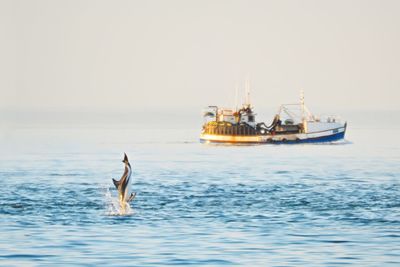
(116, 183)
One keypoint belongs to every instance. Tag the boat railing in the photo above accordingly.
(328, 118)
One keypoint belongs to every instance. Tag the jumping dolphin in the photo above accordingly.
(124, 184)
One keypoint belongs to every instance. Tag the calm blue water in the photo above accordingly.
(196, 204)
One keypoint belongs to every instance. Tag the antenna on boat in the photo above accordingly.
(236, 96)
(304, 110)
(302, 103)
(247, 91)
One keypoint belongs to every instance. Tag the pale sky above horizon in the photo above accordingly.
(116, 55)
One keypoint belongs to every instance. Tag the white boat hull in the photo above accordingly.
(325, 135)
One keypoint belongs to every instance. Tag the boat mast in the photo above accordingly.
(302, 103)
(236, 97)
(247, 91)
(303, 109)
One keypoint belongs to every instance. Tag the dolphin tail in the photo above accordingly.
(133, 195)
(125, 160)
(116, 183)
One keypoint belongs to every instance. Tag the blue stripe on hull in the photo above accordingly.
(328, 138)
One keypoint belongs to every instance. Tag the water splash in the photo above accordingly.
(114, 206)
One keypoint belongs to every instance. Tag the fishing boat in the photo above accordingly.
(292, 124)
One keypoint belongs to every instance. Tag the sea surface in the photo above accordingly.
(197, 204)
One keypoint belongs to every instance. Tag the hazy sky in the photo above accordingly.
(117, 55)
